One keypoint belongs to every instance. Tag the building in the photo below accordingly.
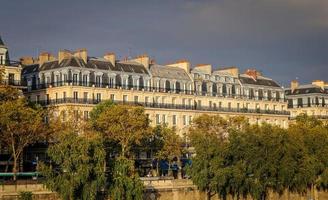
(10, 70)
(310, 99)
(172, 94)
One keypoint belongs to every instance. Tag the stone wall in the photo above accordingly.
(154, 190)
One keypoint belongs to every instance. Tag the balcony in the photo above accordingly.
(16, 83)
(160, 105)
(148, 88)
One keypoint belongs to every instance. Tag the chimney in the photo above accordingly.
(294, 84)
(63, 54)
(44, 57)
(82, 54)
(319, 83)
(183, 64)
(253, 73)
(234, 71)
(110, 57)
(142, 59)
(26, 60)
(206, 68)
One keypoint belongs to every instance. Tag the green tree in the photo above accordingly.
(20, 126)
(125, 183)
(98, 109)
(124, 124)
(77, 167)
(207, 135)
(164, 143)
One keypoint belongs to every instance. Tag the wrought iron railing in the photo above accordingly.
(160, 105)
(153, 89)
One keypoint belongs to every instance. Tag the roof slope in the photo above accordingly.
(168, 72)
(263, 81)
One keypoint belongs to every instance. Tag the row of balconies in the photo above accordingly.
(161, 105)
(151, 89)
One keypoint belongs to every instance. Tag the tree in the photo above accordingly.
(165, 143)
(77, 167)
(125, 125)
(124, 181)
(207, 135)
(100, 108)
(20, 126)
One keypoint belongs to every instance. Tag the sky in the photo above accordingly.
(284, 39)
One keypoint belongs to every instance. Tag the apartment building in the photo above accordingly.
(172, 94)
(10, 70)
(310, 99)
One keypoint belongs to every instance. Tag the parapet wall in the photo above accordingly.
(154, 190)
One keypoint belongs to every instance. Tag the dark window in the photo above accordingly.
(167, 85)
(141, 82)
(177, 87)
(300, 102)
(118, 80)
(11, 79)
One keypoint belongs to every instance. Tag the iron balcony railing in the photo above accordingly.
(12, 82)
(308, 105)
(160, 105)
(153, 89)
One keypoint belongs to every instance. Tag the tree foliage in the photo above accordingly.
(20, 126)
(239, 159)
(124, 181)
(125, 125)
(77, 168)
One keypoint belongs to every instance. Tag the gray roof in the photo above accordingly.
(261, 81)
(306, 89)
(168, 72)
(130, 67)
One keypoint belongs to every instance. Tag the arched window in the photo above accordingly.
(141, 82)
(118, 80)
(130, 82)
(224, 89)
(215, 89)
(233, 90)
(204, 88)
(167, 86)
(177, 87)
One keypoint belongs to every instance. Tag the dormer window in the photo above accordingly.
(196, 75)
(207, 76)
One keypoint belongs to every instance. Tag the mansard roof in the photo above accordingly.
(93, 63)
(306, 89)
(168, 72)
(260, 81)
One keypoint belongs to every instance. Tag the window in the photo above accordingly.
(74, 79)
(98, 97)
(98, 81)
(85, 96)
(56, 96)
(75, 94)
(190, 119)
(64, 96)
(37, 98)
(158, 120)
(11, 79)
(85, 80)
(86, 115)
(210, 104)
(184, 120)
(229, 105)
(174, 120)
(112, 97)
(164, 118)
(238, 106)
(266, 107)
(220, 104)
(125, 98)
(136, 99)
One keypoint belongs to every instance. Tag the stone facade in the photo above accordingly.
(172, 94)
(310, 99)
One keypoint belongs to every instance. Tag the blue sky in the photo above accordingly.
(284, 39)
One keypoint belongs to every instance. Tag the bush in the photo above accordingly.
(25, 196)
